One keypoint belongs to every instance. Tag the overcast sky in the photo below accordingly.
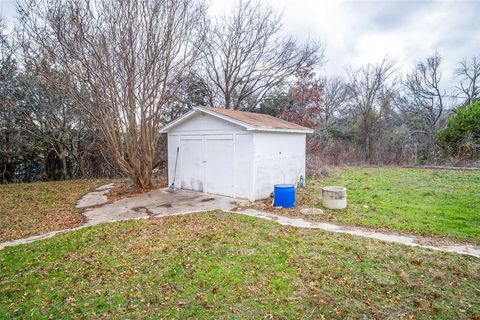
(358, 32)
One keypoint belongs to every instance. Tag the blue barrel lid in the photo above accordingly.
(284, 186)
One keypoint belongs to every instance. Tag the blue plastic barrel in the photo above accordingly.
(284, 195)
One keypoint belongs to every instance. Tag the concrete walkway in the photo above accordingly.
(161, 203)
(412, 241)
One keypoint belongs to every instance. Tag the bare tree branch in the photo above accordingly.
(468, 73)
(125, 57)
(425, 100)
(245, 57)
(367, 89)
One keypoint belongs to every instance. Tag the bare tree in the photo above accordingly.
(125, 58)
(5, 46)
(468, 74)
(368, 88)
(425, 100)
(334, 96)
(8, 68)
(190, 95)
(245, 56)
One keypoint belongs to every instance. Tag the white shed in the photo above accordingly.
(234, 153)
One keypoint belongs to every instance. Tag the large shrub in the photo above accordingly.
(461, 137)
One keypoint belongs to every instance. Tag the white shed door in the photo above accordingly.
(219, 153)
(191, 164)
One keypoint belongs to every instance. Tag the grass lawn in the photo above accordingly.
(426, 202)
(219, 265)
(28, 209)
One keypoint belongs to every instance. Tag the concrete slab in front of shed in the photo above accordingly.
(157, 203)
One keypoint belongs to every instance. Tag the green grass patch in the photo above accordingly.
(28, 209)
(224, 266)
(441, 203)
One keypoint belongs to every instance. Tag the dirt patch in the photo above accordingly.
(143, 210)
(267, 205)
(125, 189)
(82, 210)
(122, 191)
(439, 241)
(165, 205)
(207, 199)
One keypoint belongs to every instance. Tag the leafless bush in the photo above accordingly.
(316, 167)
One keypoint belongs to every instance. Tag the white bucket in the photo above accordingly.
(334, 197)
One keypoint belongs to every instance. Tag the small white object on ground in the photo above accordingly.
(311, 211)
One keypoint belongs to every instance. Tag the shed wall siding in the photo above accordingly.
(278, 158)
(244, 166)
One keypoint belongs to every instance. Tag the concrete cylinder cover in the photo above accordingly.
(334, 197)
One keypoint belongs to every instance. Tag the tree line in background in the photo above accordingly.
(85, 87)
(374, 116)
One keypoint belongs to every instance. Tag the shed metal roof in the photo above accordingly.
(249, 120)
